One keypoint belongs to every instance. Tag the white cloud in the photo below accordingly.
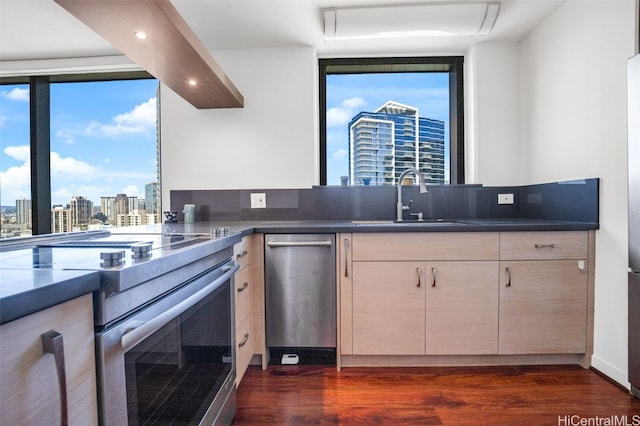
(71, 167)
(16, 94)
(141, 119)
(69, 137)
(342, 114)
(15, 183)
(353, 103)
(339, 154)
(19, 153)
(130, 190)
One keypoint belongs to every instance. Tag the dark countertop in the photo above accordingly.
(329, 227)
(455, 225)
(25, 291)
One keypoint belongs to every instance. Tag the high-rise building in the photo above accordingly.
(23, 211)
(61, 220)
(81, 209)
(120, 205)
(152, 199)
(107, 208)
(383, 143)
(134, 204)
(129, 219)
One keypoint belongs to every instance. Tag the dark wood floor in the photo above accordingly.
(540, 395)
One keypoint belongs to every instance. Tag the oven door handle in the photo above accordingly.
(140, 331)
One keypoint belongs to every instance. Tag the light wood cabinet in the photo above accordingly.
(423, 246)
(457, 298)
(544, 292)
(243, 285)
(462, 308)
(249, 303)
(29, 392)
(410, 304)
(388, 308)
(344, 296)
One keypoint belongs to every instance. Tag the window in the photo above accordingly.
(15, 178)
(92, 142)
(379, 116)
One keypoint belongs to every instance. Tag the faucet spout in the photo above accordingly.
(400, 207)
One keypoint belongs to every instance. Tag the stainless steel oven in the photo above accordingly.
(163, 318)
(173, 361)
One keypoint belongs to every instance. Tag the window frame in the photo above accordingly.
(454, 65)
(40, 135)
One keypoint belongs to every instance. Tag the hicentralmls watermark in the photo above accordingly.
(613, 420)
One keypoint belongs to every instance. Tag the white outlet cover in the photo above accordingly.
(505, 198)
(258, 200)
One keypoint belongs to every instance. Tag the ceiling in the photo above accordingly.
(41, 29)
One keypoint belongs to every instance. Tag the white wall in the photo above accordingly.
(573, 125)
(492, 120)
(270, 143)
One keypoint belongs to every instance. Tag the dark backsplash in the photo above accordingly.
(572, 200)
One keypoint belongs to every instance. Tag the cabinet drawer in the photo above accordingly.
(426, 246)
(243, 294)
(244, 348)
(544, 245)
(241, 252)
(29, 393)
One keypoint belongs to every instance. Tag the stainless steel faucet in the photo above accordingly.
(400, 207)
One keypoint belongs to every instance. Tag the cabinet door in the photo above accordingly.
(29, 393)
(345, 293)
(388, 308)
(243, 321)
(543, 307)
(462, 308)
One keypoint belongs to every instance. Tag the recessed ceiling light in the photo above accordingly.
(193, 83)
(141, 35)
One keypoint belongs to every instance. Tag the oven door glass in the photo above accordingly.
(174, 375)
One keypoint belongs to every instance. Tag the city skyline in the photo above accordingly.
(349, 94)
(103, 140)
(383, 143)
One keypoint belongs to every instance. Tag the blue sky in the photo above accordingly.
(103, 136)
(348, 94)
(103, 140)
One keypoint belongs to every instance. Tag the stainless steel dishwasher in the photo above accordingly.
(300, 281)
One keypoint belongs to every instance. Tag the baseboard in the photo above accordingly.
(615, 374)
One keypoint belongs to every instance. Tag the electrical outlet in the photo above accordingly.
(258, 200)
(505, 198)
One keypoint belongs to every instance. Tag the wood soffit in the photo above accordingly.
(172, 53)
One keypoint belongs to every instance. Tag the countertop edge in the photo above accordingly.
(349, 227)
(78, 283)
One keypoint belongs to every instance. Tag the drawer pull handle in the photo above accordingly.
(434, 271)
(419, 272)
(52, 344)
(508, 276)
(243, 254)
(244, 340)
(539, 246)
(244, 287)
(346, 258)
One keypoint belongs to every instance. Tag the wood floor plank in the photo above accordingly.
(512, 395)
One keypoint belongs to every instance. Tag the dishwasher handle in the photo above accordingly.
(299, 244)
